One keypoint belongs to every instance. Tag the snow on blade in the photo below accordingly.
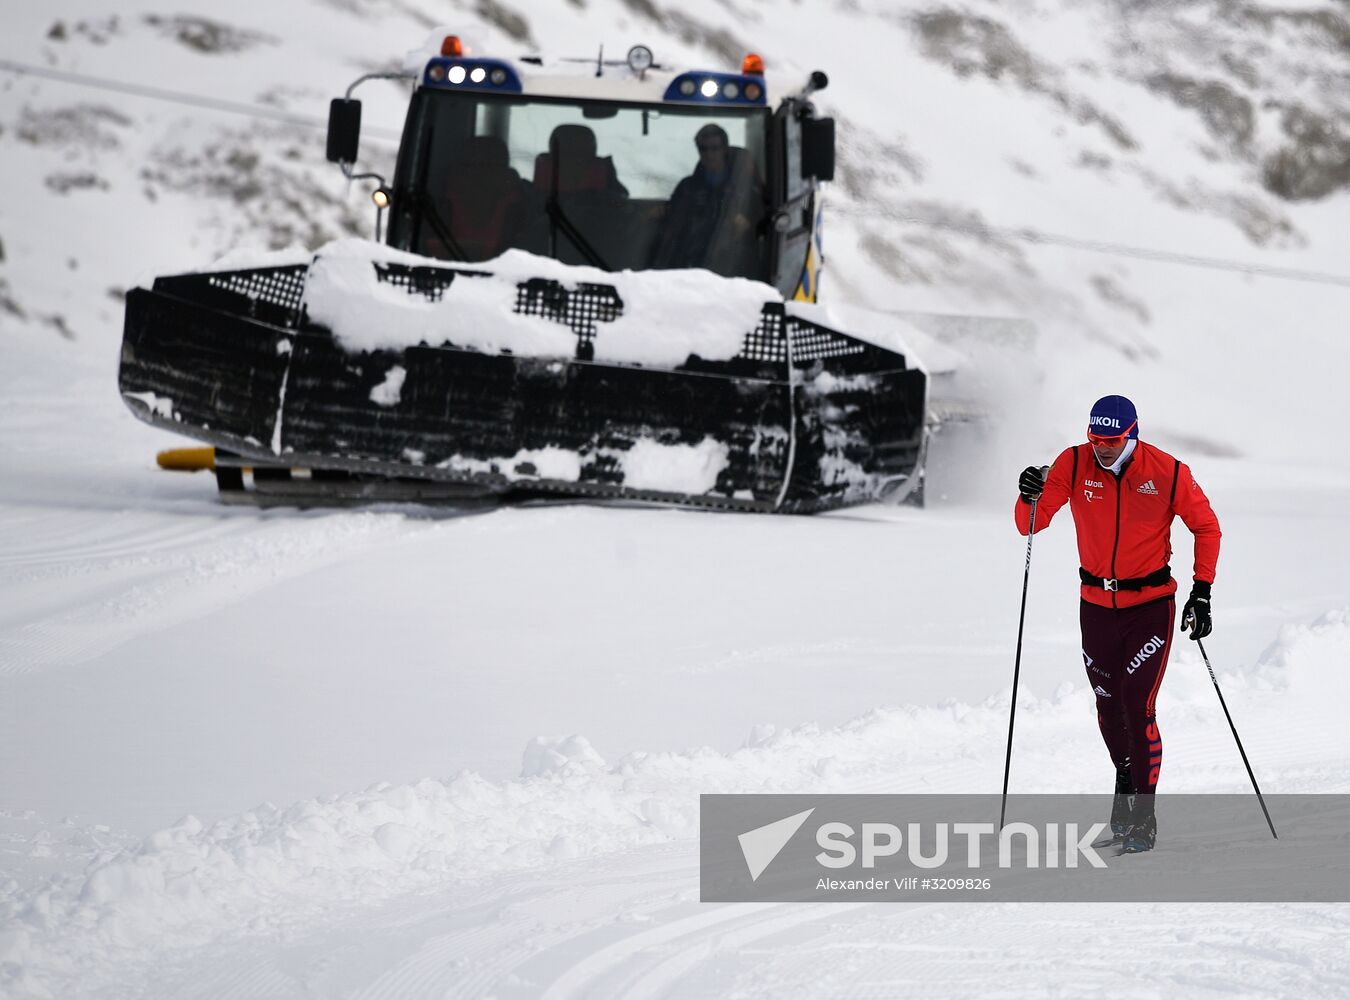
(280, 417)
(387, 393)
(540, 463)
(674, 468)
(544, 463)
(667, 315)
(365, 314)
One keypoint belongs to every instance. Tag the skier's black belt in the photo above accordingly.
(1155, 579)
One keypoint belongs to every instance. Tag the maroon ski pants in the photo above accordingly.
(1125, 652)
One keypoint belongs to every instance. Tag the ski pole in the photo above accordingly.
(1245, 762)
(1017, 663)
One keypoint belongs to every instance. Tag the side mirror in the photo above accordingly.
(818, 148)
(344, 130)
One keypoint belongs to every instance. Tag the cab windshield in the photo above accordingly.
(610, 185)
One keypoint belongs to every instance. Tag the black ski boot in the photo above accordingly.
(1120, 808)
(1143, 831)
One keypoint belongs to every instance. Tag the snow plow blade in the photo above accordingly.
(803, 418)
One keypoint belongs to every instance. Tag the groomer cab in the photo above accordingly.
(615, 164)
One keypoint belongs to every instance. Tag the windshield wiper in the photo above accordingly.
(428, 205)
(559, 220)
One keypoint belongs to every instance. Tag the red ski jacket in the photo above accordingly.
(1124, 522)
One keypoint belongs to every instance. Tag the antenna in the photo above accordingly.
(600, 60)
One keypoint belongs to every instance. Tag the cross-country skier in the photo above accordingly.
(1123, 494)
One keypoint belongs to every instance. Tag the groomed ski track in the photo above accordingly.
(193, 659)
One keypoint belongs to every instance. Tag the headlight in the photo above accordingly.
(640, 58)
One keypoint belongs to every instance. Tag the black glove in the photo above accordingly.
(1032, 483)
(1195, 617)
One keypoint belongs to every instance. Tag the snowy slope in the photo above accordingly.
(484, 736)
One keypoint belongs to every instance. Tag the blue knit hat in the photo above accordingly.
(1113, 415)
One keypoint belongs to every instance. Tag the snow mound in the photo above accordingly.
(1323, 644)
(268, 868)
(543, 756)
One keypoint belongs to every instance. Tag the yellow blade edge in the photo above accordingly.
(187, 459)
